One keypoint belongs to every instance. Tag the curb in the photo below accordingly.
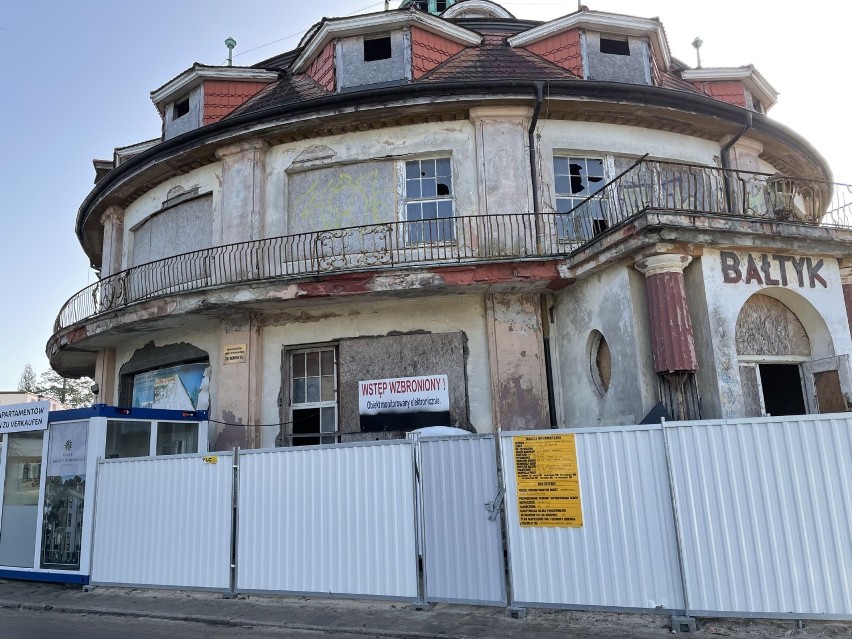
(223, 621)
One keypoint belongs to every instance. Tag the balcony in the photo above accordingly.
(683, 189)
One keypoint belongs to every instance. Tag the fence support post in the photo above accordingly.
(235, 491)
(676, 518)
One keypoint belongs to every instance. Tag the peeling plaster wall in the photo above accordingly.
(703, 327)
(204, 338)
(614, 303)
(311, 325)
(395, 145)
(207, 179)
(519, 378)
(820, 309)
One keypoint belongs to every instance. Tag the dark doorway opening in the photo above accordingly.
(782, 389)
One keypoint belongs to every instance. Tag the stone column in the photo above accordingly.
(243, 191)
(516, 362)
(238, 382)
(846, 281)
(672, 343)
(105, 377)
(112, 221)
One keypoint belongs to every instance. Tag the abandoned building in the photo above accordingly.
(442, 214)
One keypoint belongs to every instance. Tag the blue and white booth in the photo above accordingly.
(48, 474)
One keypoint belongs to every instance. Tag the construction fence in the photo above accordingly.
(739, 518)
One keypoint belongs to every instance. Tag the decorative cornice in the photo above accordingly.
(666, 263)
(254, 146)
(198, 73)
(605, 22)
(113, 214)
(748, 75)
(507, 112)
(377, 22)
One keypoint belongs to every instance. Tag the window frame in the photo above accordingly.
(422, 234)
(377, 52)
(323, 436)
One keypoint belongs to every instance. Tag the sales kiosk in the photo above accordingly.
(48, 468)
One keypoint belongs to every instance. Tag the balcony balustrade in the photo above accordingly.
(646, 186)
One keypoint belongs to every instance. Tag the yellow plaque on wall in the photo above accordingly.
(548, 481)
(235, 354)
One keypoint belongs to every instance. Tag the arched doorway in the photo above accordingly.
(786, 368)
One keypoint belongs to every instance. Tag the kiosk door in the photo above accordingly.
(19, 519)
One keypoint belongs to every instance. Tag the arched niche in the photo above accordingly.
(779, 334)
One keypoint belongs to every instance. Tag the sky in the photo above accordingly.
(78, 75)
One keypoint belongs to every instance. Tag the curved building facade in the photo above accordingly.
(447, 215)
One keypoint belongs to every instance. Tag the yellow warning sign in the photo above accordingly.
(210, 459)
(548, 481)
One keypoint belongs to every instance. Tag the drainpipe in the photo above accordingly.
(533, 171)
(726, 164)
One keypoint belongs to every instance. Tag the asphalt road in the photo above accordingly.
(29, 624)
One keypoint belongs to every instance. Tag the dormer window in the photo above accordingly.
(614, 45)
(181, 108)
(377, 49)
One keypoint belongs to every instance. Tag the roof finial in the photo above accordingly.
(230, 43)
(697, 44)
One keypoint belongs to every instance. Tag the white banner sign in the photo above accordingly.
(17, 418)
(426, 394)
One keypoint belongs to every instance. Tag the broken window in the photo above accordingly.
(181, 108)
(615, 45)
(429, 201)
(578, 182)
(377, 49)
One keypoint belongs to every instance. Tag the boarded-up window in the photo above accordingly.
(179, 229)
(341, 196)
(765, 326)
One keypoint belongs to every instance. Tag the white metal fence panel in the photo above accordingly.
(463, 540)
(164, 522)
(625, 554)
(766, 514)
(331, 520)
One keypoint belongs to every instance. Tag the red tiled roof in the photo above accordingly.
(494, 59)
(291, 89)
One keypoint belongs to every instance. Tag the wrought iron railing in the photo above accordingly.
(663, 186)
(480, 238)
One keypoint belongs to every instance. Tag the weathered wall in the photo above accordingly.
(406, 355)
(206, 180)
(634, 68)
(188, 121)
(819, 307)
(516, 351)
(614, 303)
(318, 324)
(201, 334)
(502, 159)
(339, 154)
(703, 328)
(353, 71)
